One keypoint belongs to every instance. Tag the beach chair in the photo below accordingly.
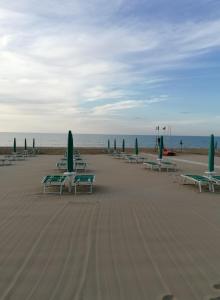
(168, 165)
(153, 165)
(130, 159)
(80, 166)
(84, 180)
(140, 159)
(199, 180)
(215, 181)
(5, 162)
(54, 181)
(116, 155)
(62, 165)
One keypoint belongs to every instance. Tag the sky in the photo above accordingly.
(119, 66)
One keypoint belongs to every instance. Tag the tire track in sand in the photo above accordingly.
(7, 292)
(50, 256)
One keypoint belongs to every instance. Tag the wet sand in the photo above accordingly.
(140, 235)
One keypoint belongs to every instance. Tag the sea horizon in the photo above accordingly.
(101, 140)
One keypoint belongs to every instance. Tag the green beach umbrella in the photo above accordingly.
(25, 144)
(136, 147)
(123, 145)
(33, 143)
(70, 152)
(211, 162)
(161, 148)
(115, 147)
(14, 145)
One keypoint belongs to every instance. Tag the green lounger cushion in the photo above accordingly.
(84, 178)
(197, 178)
(216, 177)
(54, 179)
(153, 163)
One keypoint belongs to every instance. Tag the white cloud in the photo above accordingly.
(113, 107)
(60, 57)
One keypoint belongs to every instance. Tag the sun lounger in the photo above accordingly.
(160, 165)
(130, 159)
(215, 181)
(199, 180)
(80, 166)
(153, 165)
(62, 165)
(140, 159)
(168, 165)
(5, 162)
(54, 181)
(116, 155)
(84, 180)
(13, 157)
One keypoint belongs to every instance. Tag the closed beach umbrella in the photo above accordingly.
(70, 152)
(33, 143)
(136, 147)
(25, 144)
(161, 148)
(123, 145)
(115, 144)
(108, 145)
(211, 162)
(14, 145)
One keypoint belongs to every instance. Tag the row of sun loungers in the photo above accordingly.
(147, 163)
(203, 181)
(8, 159)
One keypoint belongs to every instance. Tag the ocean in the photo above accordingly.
(101, 140)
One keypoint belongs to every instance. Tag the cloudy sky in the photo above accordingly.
(119, 66)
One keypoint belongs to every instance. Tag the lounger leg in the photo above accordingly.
(213, 187)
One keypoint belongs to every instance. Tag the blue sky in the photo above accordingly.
(110, 66)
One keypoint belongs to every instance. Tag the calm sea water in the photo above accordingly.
(101, 140)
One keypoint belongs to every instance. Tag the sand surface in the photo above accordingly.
(140, 235)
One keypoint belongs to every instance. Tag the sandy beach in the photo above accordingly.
(140, 235)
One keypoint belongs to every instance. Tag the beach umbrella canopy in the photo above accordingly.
(115, 144)
(123, 145)
(70, 152)
(211, 159)
(14, 145)
(136, 147)
(161, 148)
(33, 143)
(25, 144)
